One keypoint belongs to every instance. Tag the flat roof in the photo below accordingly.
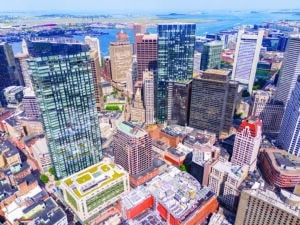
(218, 72)
(214, 43)
(135, 197)
(272, 198)
(131, 129)
(283, 161)
(94, 177)
(40, 146)
(179, 192)
(233, 171)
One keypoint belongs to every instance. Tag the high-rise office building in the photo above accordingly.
(8, 72)
(148, 90)
(176, 44)
(94, 45)
(96, 72)
(197, 63)
(146, 52)
(213, 101)
(120, 57)
(178, 102)
(132, 148)
(139, 28)
(30, 104)
(264, 207)
(224, 181)
(246, 58)
(211, 55)
(63, 83)
(137, 108)
(290, 70)
(289, 135)
(107, 69)
(22, 67)
(247, 142)
(269, 111)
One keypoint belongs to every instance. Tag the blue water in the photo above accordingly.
(221, 21)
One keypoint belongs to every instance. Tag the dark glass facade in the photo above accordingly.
(8, 72)
(178, 102)
(64, 88)
(211, 55)
(213, 101)
(176, 44)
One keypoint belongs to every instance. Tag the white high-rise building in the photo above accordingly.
(289, 135)
(247, 142)
(290, 70)
(148, 88)
(94, 44)
(197, 62)
(246, 58)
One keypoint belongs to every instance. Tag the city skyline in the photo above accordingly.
(135, 6)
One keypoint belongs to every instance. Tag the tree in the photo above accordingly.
(51, 170)
(182, 168)
(44, 178)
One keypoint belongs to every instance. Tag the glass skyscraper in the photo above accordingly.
(63, 82)
(176, 44)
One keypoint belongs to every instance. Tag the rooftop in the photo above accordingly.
(274, 199)
(56, 40)
(44, 212)
(94, 177)
(178, 192)
(135, 197)
(214, 43)
(252, 123)
(235, 172)
(131, 129)
(40, 146)
(9, 148)
(148, 218)
(149, 36)
(200, 137)
(283, 161)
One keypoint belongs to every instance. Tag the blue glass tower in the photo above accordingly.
(62, 78)
(176, 44)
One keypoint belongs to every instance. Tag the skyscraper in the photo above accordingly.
(146, 52)
(137, 108)
(246, 58)
(63, 83)
(178, 102)
(176, 44)
(247, 142)
(290, 70)
(9, 74)
(96, 72)
(269, 111)
(213, 101)
(132, 148)
(120, 57)
(148, 90)
(289, 134)
(30, 104)
(266, 207)
(211, 55)
(94, 45)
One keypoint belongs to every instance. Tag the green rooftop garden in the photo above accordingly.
(88, 175)
(85, 178)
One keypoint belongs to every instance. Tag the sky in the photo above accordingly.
(109, 6)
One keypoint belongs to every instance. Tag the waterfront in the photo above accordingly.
(209, 22)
